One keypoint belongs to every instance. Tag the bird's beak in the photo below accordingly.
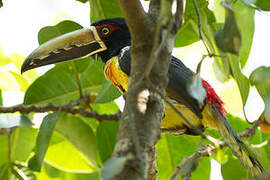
(80, 43)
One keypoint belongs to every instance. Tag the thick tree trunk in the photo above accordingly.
(140, 124)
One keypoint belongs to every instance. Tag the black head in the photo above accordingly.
(115, 34)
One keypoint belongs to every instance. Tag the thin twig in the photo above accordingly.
(249, 132)
(200, 27)
(1, 3)
(204, 151)
(68, 108)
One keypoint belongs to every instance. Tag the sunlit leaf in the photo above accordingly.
(112, 167)
(8, 82)
(260, 77)
(21, 81)
(171, 150)
(4, 171)
(228, 37)
(106, 138)
(102, 9)
(1, 98)
(3, 58)
(42, 143)
(49, 172)
(65, 157)
(107, 93)
(14, 120)
(233, 170)
(186, 35)
(22, 144)
(80, 135)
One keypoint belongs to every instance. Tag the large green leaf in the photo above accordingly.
(188, 34)
(43, 140)
(80, 135)
(22, 144)
(241, 79)
(102, 9)
(107, 93)
(228, 37)
(59, 85)
(49, 172)
(64, 156)
(106, 138)
(50, 32)
(260, 77)
(171, 150)
(233, 170)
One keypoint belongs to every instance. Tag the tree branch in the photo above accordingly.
(68, 108)
(189, 164)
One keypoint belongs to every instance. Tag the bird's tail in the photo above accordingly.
(238, 147)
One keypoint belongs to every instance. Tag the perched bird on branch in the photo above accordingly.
(110, 40)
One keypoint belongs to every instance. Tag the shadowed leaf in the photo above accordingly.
(228, 37)
(43, 139)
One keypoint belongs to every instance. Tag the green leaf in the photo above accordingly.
(103, 9)
(82, 1)
(258, 4)
(49, 32)
(112, 167)
(22, 144)
(186, 35)
(106, 138)
(3, 58)
(260, 78)
(171, 151)
(1, 98)
(4, 172)
(49, 172)
(80, 135)
(246, 24)
(59, 85)
(241, 79)
(8, 82)
(20, 80)
(14, 120)
(228, 37)
(64, 156)
(43, 139)
(107, 93)
(233, 170)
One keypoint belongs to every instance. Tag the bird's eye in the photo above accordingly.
(105, 30)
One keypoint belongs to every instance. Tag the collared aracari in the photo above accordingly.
(110, 40)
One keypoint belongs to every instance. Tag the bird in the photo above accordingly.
(110, 40)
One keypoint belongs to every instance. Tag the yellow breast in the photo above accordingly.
(114, 73)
